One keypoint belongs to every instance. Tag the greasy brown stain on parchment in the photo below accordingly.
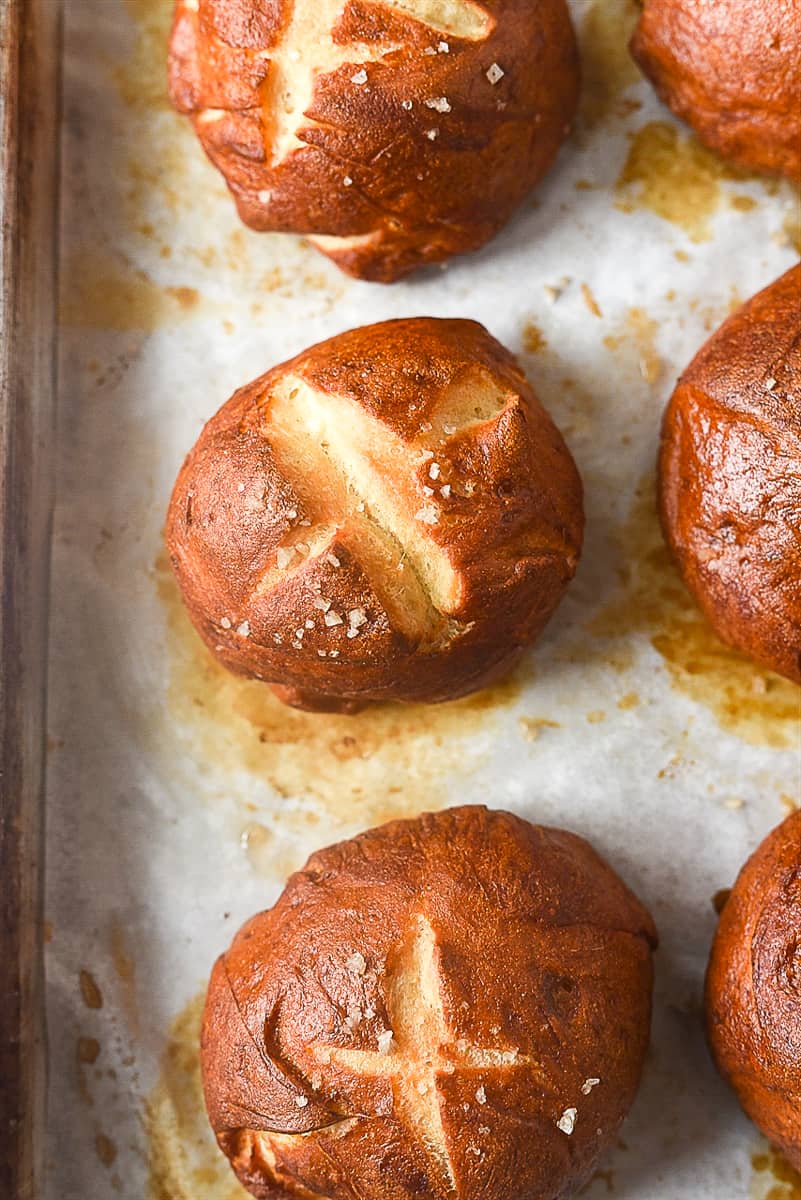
(674, 176)
(184, 1161)
(87, 1052)
(106, 1150)
(774, 1178)
(388, 761)
(100, 291)
(533, 338)
(90, 992)
(142, 80)
(756, 704)
(124, 969)
(791, 228)
(634, 345)
(607, 66)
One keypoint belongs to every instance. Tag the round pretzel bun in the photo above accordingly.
(455, 1007)
(753, 989)
(732, 70)
(393, 133)
(730, 477)
(391, 515)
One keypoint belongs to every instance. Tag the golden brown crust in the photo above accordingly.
(732, 70)
(408, 153)
(390, 515)
(421, 1009)
(730, 477)
(753, 990)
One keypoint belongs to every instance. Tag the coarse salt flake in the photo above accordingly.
(385, 1041)
(243, 629)
(588, 1085)
(332, 618)
(332, 560)
(481, 1095)
(301, 1101)
(427, 514)
(770, 384)
(356, 964)
(360, 77)
(348, 182)
(567, 1121)
(433, 471)
(432, 134)
(495, 73)
(408, 105)
(440, 104)
(226, 622)
(449, 429)
(445, 491)
(357, 617)
(443, 48)
(264, 196)
(322, 604)
(284, 556)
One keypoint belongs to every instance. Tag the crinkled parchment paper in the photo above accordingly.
(179, 798)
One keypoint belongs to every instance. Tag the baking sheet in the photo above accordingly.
(179, 799)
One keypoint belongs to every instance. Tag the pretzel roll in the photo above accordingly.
(389, 516)
(730, 477)
(753, 989)
(393, 132)
(732, 70)
(455, 1007)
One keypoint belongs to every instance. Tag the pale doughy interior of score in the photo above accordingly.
(308, 50)
(414, 1053)
(359, 484)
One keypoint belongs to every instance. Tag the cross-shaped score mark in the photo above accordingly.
(420, 1049)
(308, 50)
(361, 486)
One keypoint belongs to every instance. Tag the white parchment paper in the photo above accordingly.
(178, 800)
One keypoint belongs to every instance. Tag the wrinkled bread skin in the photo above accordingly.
(510, 546)
(730, 477)
(732, 70)
(753, 989)
(540, 951)
(412, 200)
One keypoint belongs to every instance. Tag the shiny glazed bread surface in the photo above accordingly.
(455, 1007)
